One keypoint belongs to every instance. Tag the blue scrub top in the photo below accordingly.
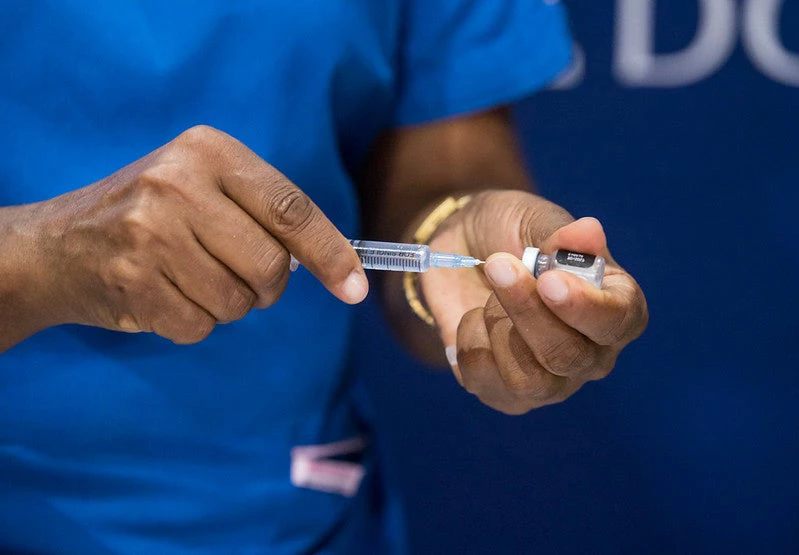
(112, 442)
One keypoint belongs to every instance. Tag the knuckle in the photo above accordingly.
(120, 273)
(273, 272)
(240, 299)
(557, 395)
(566, 357)
(270, 259)
(474, 382)
(166, 179)
(205, 145)
(615, 332)
(605, 366)
(124, 278)
(519, 384)
(494, 310)
(138, 212)
(200, 136)
(641, 311)
(140, 232)
(126, 321)
(476, 357)
(513, 408)
(157, 180)
(524, 387)
(338, 255)
(630, 319)
(540, 219)
(602, 372)
(290, 211)
(549, 392)
(194, 329)
(143, 217)
(469, 384)
(129, 293)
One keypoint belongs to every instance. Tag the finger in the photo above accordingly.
(451, 352)
(450, 295)
(519, 369)
(583, 235)
(553, 343)
(307, 233)
(290, 216)
(474, 358)
(166, 311)
(207, 282)
(613, 315)
(478, 369)
(240, 243)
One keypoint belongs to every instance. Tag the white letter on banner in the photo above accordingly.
(572, 76)
(637, 65)
(762, 42)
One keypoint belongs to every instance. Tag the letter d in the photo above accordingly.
(637, 65)
(762, 42)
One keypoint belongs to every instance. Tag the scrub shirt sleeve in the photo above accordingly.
(460, 56)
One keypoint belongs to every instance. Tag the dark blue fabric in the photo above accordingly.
(128, 443)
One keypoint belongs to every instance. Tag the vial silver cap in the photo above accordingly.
(529, 257)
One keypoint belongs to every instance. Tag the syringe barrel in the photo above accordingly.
(404, 257)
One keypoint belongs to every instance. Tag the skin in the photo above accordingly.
(198, 233)
(517, 343)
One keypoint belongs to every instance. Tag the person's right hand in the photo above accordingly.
(195, 233)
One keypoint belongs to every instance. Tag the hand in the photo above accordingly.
(519, 343)
(195, 233)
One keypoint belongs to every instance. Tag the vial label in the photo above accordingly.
(575, 259)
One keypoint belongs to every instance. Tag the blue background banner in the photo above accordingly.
(680, 132)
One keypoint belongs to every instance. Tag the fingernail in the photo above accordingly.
(452, 358)
(552, 287)
(452, 355)
(501, 272)
(355, 287)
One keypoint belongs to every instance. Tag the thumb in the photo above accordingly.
(583, 235)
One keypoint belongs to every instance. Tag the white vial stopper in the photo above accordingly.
(529, 258)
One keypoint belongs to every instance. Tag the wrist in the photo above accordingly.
(417, 334)
(422, 236)
(26, 303)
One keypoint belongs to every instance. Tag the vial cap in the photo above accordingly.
(529, 257)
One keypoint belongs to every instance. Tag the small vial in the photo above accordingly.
(587, 266)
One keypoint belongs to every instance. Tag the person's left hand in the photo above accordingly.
(515, 342)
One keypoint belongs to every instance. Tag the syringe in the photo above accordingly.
(409, 257)
(404, 257)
